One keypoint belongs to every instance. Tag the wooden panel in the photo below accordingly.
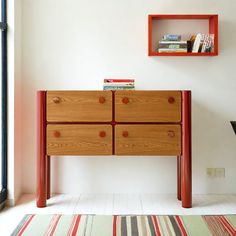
(79, 106)
(147, 140)
(79, 139)
(148, 106)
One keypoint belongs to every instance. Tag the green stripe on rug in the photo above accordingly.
(232, 219)
(195, 225)
(102, 225)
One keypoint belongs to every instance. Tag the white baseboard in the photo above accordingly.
(13, 201)
(10, 202)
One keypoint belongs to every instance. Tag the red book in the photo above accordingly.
(118, 80)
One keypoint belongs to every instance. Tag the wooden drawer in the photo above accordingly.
(148, 106)
(147, 139)
(79, 139)
(79, 106)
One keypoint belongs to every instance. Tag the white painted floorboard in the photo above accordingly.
(116, 204)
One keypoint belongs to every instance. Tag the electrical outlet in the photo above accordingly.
(215, 172)
(220, 172)
(210, 172)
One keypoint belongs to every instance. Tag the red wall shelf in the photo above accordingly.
(154, 21)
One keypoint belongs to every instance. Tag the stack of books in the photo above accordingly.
(118, 84)
(172, 43)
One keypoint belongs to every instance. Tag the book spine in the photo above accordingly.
(172, 46)
(172, 37)
(118, 80)
(118, 87)
(172, 42)
(172, 50)
(118, 84)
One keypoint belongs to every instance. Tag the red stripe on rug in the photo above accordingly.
(227, 225)
(50, 225)
(53, 225)
(114, 225)
(25, 225)
(71, 225)
(156, 226)
(76, 225)
(181, 225)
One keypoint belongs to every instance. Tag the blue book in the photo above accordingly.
(172, 37)
(118, 87)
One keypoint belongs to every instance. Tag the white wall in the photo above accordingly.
(75, 44)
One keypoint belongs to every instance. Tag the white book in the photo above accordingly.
(172, 42)
(118, 84)
(197, 43)
(172, 50)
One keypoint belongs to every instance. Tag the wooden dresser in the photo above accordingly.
(122, 123)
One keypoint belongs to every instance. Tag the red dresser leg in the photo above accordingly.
(186, 162)
(48, 176)
(179, 177)
(41, 149)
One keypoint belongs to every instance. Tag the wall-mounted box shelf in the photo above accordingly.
(186, 25)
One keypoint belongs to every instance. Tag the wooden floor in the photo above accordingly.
(116, 204)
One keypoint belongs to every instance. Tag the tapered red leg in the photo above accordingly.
(41, 149)
(48, 158)
(186, 161)
(179, 177)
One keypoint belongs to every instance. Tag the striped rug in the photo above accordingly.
(95, 225)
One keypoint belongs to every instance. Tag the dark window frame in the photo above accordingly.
(3, 158)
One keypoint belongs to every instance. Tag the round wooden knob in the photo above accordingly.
(125, 100)
(56, 99)
(171, 133)
(171, 99)
(102, 134)
(125, 134)
(102, 100)
(56, 134)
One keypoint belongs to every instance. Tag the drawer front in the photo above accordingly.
(79, 106)
(148, 140)
(148, 106)
(79, 139)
